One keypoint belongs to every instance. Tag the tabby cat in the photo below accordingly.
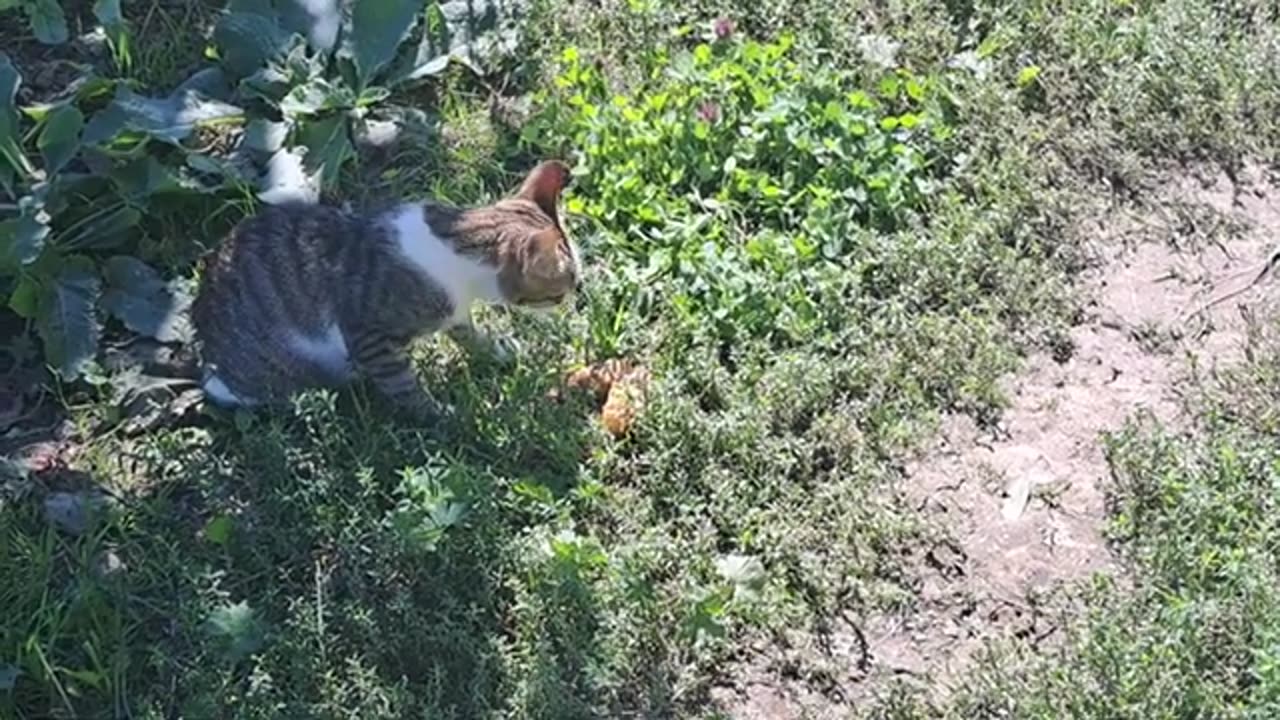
(302, 296)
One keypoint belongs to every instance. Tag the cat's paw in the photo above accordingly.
(501, 348)
(427, 410)
(504, 348)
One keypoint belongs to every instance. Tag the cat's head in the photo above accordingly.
(540, 265)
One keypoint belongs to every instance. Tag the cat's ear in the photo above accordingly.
(543, 185)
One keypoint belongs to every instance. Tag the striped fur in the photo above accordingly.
(303, 296)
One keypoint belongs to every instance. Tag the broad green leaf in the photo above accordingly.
(10, 147)
(105, 125)
(446, 514)
(377, 28)
(915, 89)
(65, 317)
(315, 97)
(171, 119)
(106, 228)
(48, 23)
(372, 96)
(142, 178)
(137, 296)
(108, 12)
(297, 66)
(319, 20)
(60, 138)
(471, 31)
(147, 177)
(429, 67)
(8, 5)
(22, 239)
(287, 180)
(270, 83)
(1028, 75)
(228, 172)
(175, 118)
(705, 617)
(111, 18)
(25, 298)
(264, 135)
(218, 530)
(535, 491)
(238, 629)
(247, 41)
(328, 147)
(211, 82)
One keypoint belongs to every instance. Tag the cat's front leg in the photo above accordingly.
(500, 348)
(387, 364)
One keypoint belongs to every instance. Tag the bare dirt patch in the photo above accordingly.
(1024, 503)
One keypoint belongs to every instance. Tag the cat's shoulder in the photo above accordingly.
(419, 238)
(299, 210)
(409, 231)
(297, 221)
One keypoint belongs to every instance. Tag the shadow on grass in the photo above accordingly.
(384, 570)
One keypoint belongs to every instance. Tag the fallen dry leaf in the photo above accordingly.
(590, 379)
(599, 378)
(617, 386)
(625, 401)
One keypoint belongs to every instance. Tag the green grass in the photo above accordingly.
(326, 561)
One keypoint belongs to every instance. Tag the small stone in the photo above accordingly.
(1016, 496)
(1025, 469)
(109, 564)
(72, 512)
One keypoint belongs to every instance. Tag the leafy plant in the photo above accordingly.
(734, 178)
(83, 193)
(45, 18)
(428, 506)
(237, 629)
(48, 22)
(317, 78)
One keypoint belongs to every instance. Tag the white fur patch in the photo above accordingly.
(464, 280)
(577, 256)
(328, 350)
(218, 392)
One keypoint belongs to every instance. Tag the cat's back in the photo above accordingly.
(278, 266)
(283, 234)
